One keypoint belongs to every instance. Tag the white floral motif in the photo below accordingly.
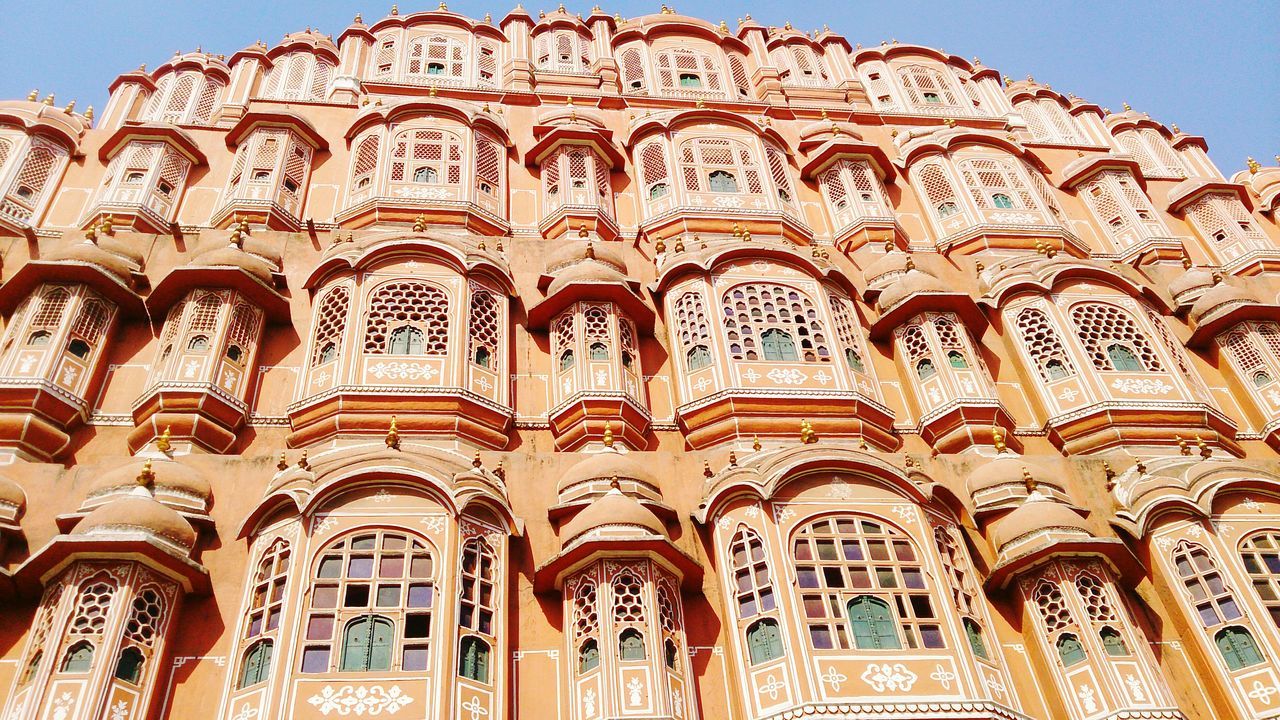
(891, 677)
(1085, 694)
(63, 705)
(1262, 693)
(822, 377)
(772, 685)
(321, 378)
(1252, 504)
(1069, 394)
(732, 201)
(1014, 218)
(434, 523)
(634, 688)
(840, 489)
(1195, 531)
(782, 514)
(1164, 543)
(1141, 386)
(752, 511)
(787, 376)
(402, 371)
(943, 676)
(751, 375)
(382, 496)
(325, 524)
(677, 704)
(996, 686)
(906, 512)
(351, 700)
(474, 707)
(247, 712)
(1135, 688)
(424, 193)
(120, 710)
(834, 678)
(589, 702)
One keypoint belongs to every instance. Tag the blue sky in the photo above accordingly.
(1212, 69)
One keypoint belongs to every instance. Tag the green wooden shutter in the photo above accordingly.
(886, 630)
(976, 642)
(873, 625)
(1070, 650)
(1238, 648)
(381, 641)
(764, 641)
(778, 346)
(1122, 358)
(1113, 643)
(355, 645)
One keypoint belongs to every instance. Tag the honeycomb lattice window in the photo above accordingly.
(369, 577)
(410, 304)
(628, 598)
(145, 617)
(562, 51)
(478, 596)
(741, 81)
(242, 331)
(752, 587)
(1043, 345)
(1260, 554)
(33, 178)
(1222, 220)
(1174, 348)
(851, 560)
(266, 599)
(683, 71)
(781, 176)
(90, 615)
(331, 322)
(364, 164)
(595, 332)
(996, 183)
(655, 171)
(1049, 122)
(1206, 588)
(563, 334)
(488, 171)
(719, 165)
(1112, 339)
(484, 335)
(668, 617)
(1093, 593)
(436, 59)
(853, 185)
(773, 323)
(915, 343)
(430, 157)
(53, 304)
(586, 613)
(928, 90)
(632, 65)
(939, 190)
(848, 334)
(1052, 606)
(576, 175)
(1249, 345)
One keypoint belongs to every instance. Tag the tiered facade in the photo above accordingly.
(598, 367)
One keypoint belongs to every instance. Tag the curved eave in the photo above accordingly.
(62, 550)
(316, 47)
(648, 27)
(173, 136)
(1112, 550)
(561, 20)
(267, 507)
(32, 274)
(181, 279)
(1197, 499)
(356, 30)
(1026, 91)
(558, 135)
(277, 119)
(835, 149)
(1183, 139)
(1084, 168)
(1206, 330)
(624, 294)
(704, 260)
(258, 51)
(390, 114)
(951, 140)
(886, 52)
(45, 120)
(956, 302)
(462, 261)
(437, 17)
(203, 64)
(1192, 189)
(550, 576)
(664, 123)
(133, 76)
(1132, 120)
(1044, 282)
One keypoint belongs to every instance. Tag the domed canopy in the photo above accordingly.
(1005, 470)
(167, 474)
(1035, 515)
(233, 256)
(585, 273)
(914, 282)
(611, 510)
(138, 511)
(1194, 278)
(1218, 297)
(606, 466)
(115, 263)
(891, 264)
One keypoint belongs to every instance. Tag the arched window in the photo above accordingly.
(1070, 651)
(331, 322)
(751, 574)
(33, 667)
(873, 624)
(1043, 345)
(129, 665)
(79, 348)
(698, 357)
(682, 71)
(720, 164)
(654, 170)
(1207, 589)
(956, 359)
(631, 645)
(363, 166)
(1260, 554)
(382, 572)
(488, 171)
(1121, 208)
(588, 656)
(266, 603)
(483, 322)
(838, 556)
(693, 330)
(1237, 647)
(632, 67)
(928, 89)
(996, 183)
(298, 76)
(256, 665)
(367, 644)
(473, 659)
(938, 189)
(782, 317)
(974, 634)
(406, 340)
(408, 304)
(1113, 642)
(925, 369)
(1048, 121)
(427, 156)
(764, 641)
(79, 658)
(853, 191)
(598, 351)
(435, 58)
(39, 337)
(959, 574)
(1113, 339)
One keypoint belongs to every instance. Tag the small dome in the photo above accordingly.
(1216, 297)
(913, 282)
(232, 256)
(613, 508)
(604, 466)
(585, 273)
(570, 254)
(1035, 515)
(891, 263)
(1004, 470)
(138, 511)
(11, 493)
(1193, 279)
(169, 475)
(93, 254)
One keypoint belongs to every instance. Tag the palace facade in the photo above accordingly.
(585, 367)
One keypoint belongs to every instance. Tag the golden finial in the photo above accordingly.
(481, 245)
(910, 264)
(476, 462)
(444, 8)
(724, 27)
(488, 19)
(1253, 165)
(699, 104)
(617, 18)
(1141, 467)
(997, 438)
(1186, 260)
(393, 435)
(146, 476)
(660, 246)
(91, 235)
(48, 99)
(108, 225)
(807, 434)
(486, 108)
(1183, 448)
(1126, 106)
(70, 108)
(34, 95)
(824, 114)
(733, 459)
(667, 11)
(746, 236)
(1205, 451)
(420, 223)
(825, 29)
(500, 472)
(1109, 474)
(1175, 128)
(433, 92)
(282, 464)
(702, 244)
(359, 19)
(950, 122)
(786, 25)
(395, 9)
(737, 230)
(88, 113)
(608, 434)
(755, 443)
(615, 483)
(162, 442)
(582, 230)
(706, 470)
(1028, 480)
(498, 247)
(909, 461)
(237, 238)
(591, 251)
(679, 246)
(244, 227)
(979, 266)
(862, 443)
(303, 462)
